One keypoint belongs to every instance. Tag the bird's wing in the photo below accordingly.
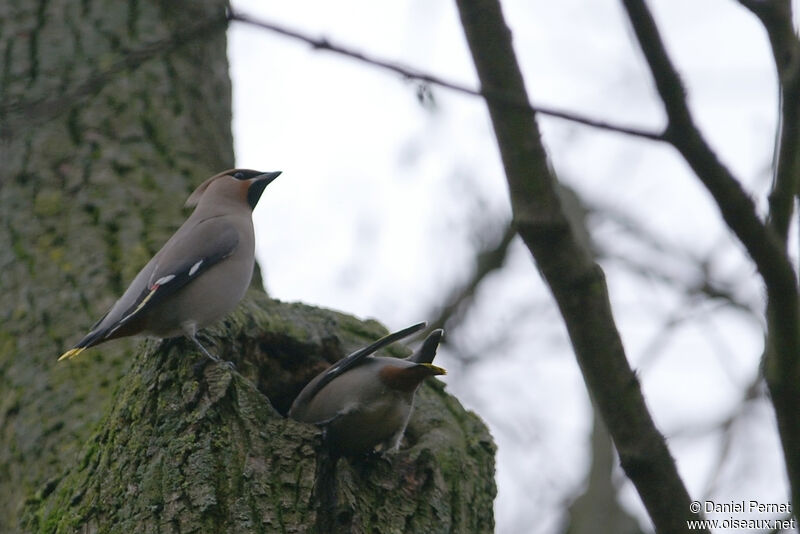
(208, 243)
(182, 259)
(348, 362)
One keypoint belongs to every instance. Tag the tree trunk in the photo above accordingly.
(101, 140)
(110, 114)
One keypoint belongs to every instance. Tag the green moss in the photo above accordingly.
(62, 184)
(208, 452)
(8, 344)
(48, 202)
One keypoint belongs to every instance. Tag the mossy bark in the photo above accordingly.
(191, 446)
(97, 154)
(110, 114)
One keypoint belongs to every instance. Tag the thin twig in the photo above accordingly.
(498, 97)
(48, 106)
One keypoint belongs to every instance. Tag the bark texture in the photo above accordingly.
(190, 446)
(100, 144)
(110, 114)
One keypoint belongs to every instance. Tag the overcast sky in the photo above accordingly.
(383, 201)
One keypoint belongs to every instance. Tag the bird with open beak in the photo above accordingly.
(199, 275)
(363, 401)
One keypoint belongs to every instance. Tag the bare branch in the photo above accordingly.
(776, 16)
(496, 96)
(782, 369)
(597, 508)
(577, 282)
(736, 206)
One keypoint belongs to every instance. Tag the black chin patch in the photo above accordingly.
(254, 192)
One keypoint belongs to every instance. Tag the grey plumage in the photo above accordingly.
(199, 275)
(364, 401)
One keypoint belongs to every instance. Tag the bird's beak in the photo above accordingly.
(257, 186)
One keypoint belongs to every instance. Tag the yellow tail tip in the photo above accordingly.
(435, 368)
(71, 353)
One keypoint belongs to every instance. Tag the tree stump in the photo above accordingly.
(188, 445)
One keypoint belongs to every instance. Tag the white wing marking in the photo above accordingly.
(195, 267)
(163, 280)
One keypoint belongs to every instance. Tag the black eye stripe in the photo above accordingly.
(246, 174)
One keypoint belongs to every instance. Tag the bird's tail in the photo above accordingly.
(89, 340)
(427, 352)
(71, 353)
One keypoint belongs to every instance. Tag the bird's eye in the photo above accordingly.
(239, 176)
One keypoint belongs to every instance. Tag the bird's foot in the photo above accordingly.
(219, 361)
(229, 364)
(210, 356)
(200, 366)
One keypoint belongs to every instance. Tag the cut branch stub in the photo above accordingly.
(194, 447)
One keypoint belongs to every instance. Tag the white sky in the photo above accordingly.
(382, 201)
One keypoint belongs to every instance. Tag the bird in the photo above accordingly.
(362, 401)
(199, 275)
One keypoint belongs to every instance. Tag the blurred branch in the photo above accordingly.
(776, 16)
(753, 392)
(727, 427)
(597, 508)
(782, 367)
(502, 342)
(705, 285)
(487, 261)
(652, 349)
(577, 283)
(495, 95)
(704, 288)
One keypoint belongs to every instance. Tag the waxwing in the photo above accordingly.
(199, 275)
(363, 401)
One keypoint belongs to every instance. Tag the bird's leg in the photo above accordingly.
(191, 333)
(393, 444)
(203, 349)
(213, 358)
